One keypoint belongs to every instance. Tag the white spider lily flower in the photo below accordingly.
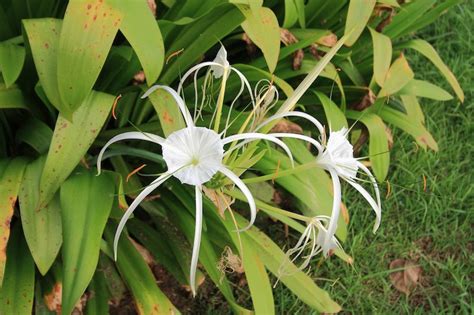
(338, 159)
(193, 155)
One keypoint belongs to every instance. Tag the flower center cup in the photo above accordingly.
(193, 154)
(339, 155)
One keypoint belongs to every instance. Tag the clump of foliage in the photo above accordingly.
(63, 64)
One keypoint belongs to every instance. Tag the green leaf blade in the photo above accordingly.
(88, 29)
(71, 140)
(83, 221)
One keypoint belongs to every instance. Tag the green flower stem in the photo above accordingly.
(220, 101)
(266, 207)
(299, 168)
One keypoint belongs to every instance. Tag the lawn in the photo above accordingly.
(432, 225)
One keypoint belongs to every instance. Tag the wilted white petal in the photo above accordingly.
(197, 239)
(194, 154)
(133, 135)
(239, 183)
(145, 192)
(223, 64)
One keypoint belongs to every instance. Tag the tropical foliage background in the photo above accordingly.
(63, 65)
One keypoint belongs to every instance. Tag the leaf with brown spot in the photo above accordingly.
(41, 225)
(167, 110)
(71, 140)
(405, 280)
(11, 174)
(17, 291)
(264, 31)
(88, 30)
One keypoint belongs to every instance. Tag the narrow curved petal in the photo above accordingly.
(182, 106)
(294, 114)
(239, 183)
(377, 193)
(197, 239)
(336, 207)
(371, 201)
(145, 192)
(244, 80)
(195, 68)
(252, 136)
(296, 252)
(133, 135)
(300, 137)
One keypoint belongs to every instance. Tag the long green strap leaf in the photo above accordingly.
(16, 294)
(141, 30)
(41, 225)
(429, 52)
(71, 140)
(357, 17)
(264, 31)
(43, 40)
(11, 174)
(148, 297)
(86, 202)
(88, 30)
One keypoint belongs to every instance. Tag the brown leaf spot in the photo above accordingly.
(53, 299)
(167, 118)
(46, 45)
(405, 280)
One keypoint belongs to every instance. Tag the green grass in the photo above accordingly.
(432, 227)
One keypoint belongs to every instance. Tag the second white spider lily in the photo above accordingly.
(338, 159)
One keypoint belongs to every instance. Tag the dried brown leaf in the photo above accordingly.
(405, 280)
(221, 201)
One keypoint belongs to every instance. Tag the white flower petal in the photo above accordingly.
(133, 135)
(336, 207)
(313, 120)
(193, 69)
(197, 239)
(300, 137)
(370, 200)
(145, 192)
(221, 59)
(240, 184)
(377, 194)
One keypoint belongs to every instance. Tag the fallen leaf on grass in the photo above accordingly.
(405, 280)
